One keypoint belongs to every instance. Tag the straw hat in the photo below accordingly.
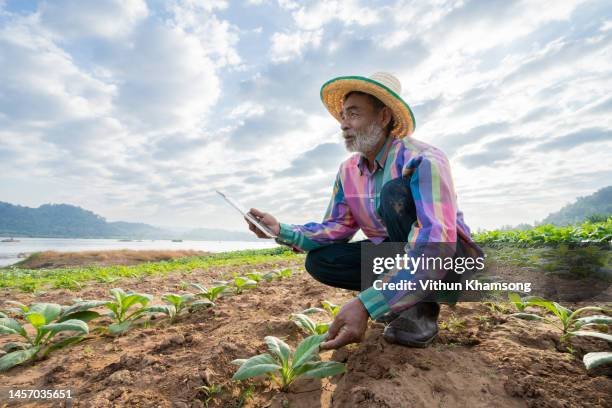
(382, 85)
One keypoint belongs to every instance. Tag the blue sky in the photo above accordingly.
(138, 110)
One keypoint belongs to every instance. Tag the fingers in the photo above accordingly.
(254, 229)
(333, 329)
(342, 339)
(257, 213)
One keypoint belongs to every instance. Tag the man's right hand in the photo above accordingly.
(263, 218)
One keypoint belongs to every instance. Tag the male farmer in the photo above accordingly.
(395, 188)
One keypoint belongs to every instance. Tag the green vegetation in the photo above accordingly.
(285, 366)
(592, 232)
(211, 294)
(31, 280)
(46, 320)
(308, 325)
(242, 283)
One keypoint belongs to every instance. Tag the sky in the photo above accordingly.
(137, 110)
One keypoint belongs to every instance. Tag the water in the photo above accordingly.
(10, 251)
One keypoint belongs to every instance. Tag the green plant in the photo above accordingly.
(331, 308)
(285, 366)
(210, 392)
(176, 304)
(211, 294)
(308, 325)
(126, 308)
(453, 324)
(256, 276)
(285, 273)
(241, 283)
(44, 318)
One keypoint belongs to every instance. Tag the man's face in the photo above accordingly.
(361, 129)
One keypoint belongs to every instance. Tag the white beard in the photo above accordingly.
(365, 141)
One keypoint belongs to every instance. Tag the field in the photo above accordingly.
(484, 356)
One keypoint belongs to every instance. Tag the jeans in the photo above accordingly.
(339, 265)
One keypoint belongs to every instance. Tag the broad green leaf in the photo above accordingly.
(50, 311)
(602, 336)
(304, 322)
(84, 315)
(254, 366)
(201, 303)
(199, 287)
(166, 309)
(118, 294)
(527, 316)
(176, 300)
(11, 326)
(13, 346)
(17, 357)
(599, 319)
(239, 361)
(119, 328)
(306, 349)
(36, 319)
(69, 325)
(279, 348)
(592, 360)
(83, 306)
(3, 315)
(134, 298)
(324, 369)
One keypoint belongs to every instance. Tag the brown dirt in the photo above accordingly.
(53, 259)
(480, 359)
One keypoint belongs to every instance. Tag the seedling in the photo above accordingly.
(284, 367)
(211, 294)
(241, 283)
(331, 308)
(120, 309)
(44, 318)
(256, 276)
(176, 304)
(308, 325)
(210, 392)
(285, 273)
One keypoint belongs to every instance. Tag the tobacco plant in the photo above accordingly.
(46, 321)
(126, 308)
(308, 325)
(241, 283)
(284, 366)
(211, 294)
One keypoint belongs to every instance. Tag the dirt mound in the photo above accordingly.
(482, 358)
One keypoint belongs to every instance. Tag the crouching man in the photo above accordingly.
(395, 189)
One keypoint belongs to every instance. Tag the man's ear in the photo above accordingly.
(387, 115)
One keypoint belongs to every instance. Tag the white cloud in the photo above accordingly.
(318, 13)
(74, 19)
(286, 46)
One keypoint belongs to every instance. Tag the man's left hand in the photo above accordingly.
(349, 326)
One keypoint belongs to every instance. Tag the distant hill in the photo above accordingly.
(596, 204)
(68, 221)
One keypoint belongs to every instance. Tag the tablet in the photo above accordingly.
(260, 226)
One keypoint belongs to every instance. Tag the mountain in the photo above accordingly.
(68, 221)
(592, 206)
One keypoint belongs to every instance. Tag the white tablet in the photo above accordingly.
(262, 227)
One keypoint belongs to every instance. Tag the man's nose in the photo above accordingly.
(344, 125)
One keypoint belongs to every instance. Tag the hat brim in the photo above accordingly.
(334, 90)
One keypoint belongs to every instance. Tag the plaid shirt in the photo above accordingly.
(354, 203)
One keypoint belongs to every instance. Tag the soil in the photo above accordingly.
(481, 358)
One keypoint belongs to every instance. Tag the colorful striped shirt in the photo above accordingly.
(356, 197)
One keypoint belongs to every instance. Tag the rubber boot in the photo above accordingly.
(415, 327)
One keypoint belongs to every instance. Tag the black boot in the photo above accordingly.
(415, 327)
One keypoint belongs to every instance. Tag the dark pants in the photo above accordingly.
(339, 265)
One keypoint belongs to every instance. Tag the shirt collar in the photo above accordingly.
(380, 159)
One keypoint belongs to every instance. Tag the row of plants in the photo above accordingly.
(74, 278)
(570, 322)
(587, 232)
(124, 308)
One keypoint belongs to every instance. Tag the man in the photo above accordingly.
(395, 189)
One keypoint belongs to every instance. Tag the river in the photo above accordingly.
(10, 251)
